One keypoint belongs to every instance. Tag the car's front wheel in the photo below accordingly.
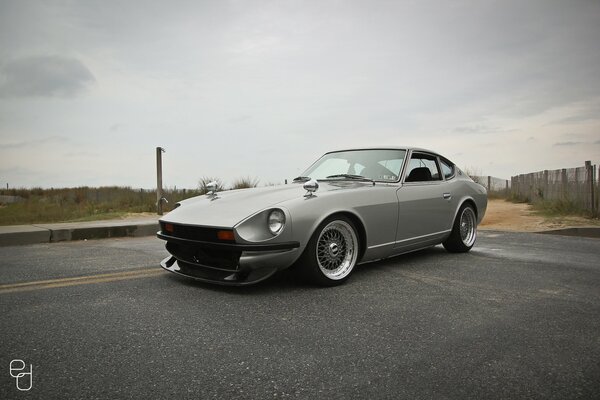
(464, 231)
(332, 252)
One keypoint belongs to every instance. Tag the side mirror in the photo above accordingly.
(311, 186)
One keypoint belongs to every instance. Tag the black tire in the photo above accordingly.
(332, 252)
(464, 230)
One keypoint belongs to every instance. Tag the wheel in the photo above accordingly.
(464, 231)
(331, 253)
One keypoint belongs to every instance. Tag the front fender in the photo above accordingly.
(374, 207)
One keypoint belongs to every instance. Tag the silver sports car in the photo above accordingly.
(349, 207)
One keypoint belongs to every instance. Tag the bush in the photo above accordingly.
(559, 207)
(205, 180)
(245, 183)
(475, 174)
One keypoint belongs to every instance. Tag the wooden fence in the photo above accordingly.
(576, 185)
(494, 185)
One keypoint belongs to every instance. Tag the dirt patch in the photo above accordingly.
(140, 215)
(507, 216)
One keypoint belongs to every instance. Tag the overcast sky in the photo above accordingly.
(88, 89)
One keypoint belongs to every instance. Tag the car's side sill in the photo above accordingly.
(409, 239)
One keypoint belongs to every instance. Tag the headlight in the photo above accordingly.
(276, 221)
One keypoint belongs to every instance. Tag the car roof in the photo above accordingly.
(386, 148)
(407, 148)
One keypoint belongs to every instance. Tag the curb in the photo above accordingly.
(23, 234)
(50, 233)
(589, 232)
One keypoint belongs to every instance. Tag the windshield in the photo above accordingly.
(378, 165)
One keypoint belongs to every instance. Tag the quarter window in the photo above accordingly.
(447, 168)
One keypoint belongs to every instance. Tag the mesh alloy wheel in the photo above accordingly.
(337, 250)
(468, 227)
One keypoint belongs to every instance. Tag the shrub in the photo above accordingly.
(245, 183)
(205, 180)
(475, 174)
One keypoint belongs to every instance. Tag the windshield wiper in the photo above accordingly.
(301, 179)
(350, 176)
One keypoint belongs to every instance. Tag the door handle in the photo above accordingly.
(447, 196)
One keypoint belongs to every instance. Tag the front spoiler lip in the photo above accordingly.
(231, 246)
(236, 278)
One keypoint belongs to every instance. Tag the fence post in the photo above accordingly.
(597, 181)
(563, 183)
(531, 191)
(512, 186)
(545, 190)
(576, 186)
(589, 180)
(522, 185)
(506, 188)
(159, 195)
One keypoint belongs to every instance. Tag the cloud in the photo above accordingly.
(579, 118)
(35, 143)
(45, 76)
(567, 143)
(480, 129)
(81, 154)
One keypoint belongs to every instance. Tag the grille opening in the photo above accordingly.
(214, 258)
(199, 233)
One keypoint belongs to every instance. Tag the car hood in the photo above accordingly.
(228, 208)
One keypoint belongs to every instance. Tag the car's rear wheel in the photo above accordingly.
(464, 231)
(332, 252)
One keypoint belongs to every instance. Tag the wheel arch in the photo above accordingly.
(358, 224)
(471, 202)
(466, 200)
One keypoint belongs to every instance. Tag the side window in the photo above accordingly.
(423, 168)
(447, 168)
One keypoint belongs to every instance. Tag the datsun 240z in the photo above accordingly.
(349, 207)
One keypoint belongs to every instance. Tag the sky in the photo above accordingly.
(261, 89)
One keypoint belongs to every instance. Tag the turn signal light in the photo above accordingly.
(169, 228)
(225, 235)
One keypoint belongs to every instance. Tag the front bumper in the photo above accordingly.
(227, 263)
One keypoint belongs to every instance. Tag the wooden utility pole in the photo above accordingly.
(159, 195)
(589, 181)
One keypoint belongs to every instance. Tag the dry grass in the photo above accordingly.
(506, 215)
(245, 183)
(87, 204)
(82, 204)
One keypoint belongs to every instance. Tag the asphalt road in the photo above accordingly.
(518, 317)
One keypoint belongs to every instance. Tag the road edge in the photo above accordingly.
(50, 233)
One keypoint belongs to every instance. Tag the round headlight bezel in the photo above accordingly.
(276, 221)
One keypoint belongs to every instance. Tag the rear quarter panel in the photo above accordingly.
(474, 192)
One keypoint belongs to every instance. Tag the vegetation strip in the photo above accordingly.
(80, 280)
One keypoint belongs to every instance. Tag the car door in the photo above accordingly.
(424, 203)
